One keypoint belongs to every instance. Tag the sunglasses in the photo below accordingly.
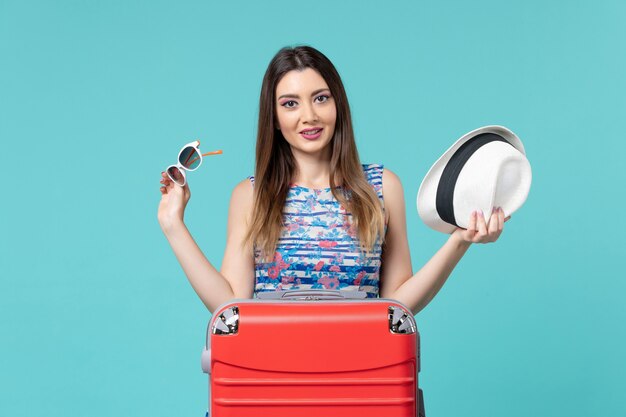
(189, 159)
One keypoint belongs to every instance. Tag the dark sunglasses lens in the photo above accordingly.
(190, 158)
(176, 176)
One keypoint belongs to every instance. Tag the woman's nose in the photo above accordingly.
(309, 114)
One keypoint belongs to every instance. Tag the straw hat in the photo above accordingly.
(485, 168)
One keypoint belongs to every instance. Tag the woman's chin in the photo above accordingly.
(311, 147)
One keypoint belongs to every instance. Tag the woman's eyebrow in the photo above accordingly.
(297, 96)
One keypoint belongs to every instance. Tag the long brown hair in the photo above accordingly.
(275, 164)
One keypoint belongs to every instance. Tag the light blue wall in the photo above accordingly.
(96, 98)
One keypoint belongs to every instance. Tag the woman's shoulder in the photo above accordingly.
(394, 193)
(243, 192)
(390, 178)
(380, 176)
(392, 184)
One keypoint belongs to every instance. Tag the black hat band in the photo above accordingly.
(450, 174)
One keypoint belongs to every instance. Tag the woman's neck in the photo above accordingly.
(312, 171)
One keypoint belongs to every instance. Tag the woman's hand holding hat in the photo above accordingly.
(480, 231)
(484, 169)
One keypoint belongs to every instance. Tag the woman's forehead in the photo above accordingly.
(300, 82)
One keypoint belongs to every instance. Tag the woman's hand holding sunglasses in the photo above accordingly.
(174, 199)
(175, 191)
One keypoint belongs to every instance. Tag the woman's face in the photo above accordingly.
(306, 112)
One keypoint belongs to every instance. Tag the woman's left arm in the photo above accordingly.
(397, 279)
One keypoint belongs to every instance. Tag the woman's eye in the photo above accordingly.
(289, 104)
(322, 98)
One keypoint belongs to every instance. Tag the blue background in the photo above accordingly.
(96, 98)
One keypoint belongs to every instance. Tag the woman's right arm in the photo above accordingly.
(236, 279)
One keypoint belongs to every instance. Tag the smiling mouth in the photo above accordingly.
(311, 132)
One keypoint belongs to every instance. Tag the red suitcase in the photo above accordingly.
(313, 353)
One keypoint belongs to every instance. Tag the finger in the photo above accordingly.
(163, 190)
(165, 179)
(499, 221)
(472, 224)
(482, 227)
(493, 222)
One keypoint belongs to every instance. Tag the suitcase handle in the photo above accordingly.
(312, 295)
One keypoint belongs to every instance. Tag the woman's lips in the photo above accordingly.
(312, 133)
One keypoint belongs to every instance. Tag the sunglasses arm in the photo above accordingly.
(212, 153)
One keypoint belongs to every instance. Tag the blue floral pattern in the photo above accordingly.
(318, 247)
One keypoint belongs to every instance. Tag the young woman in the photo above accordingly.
(312, 216)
